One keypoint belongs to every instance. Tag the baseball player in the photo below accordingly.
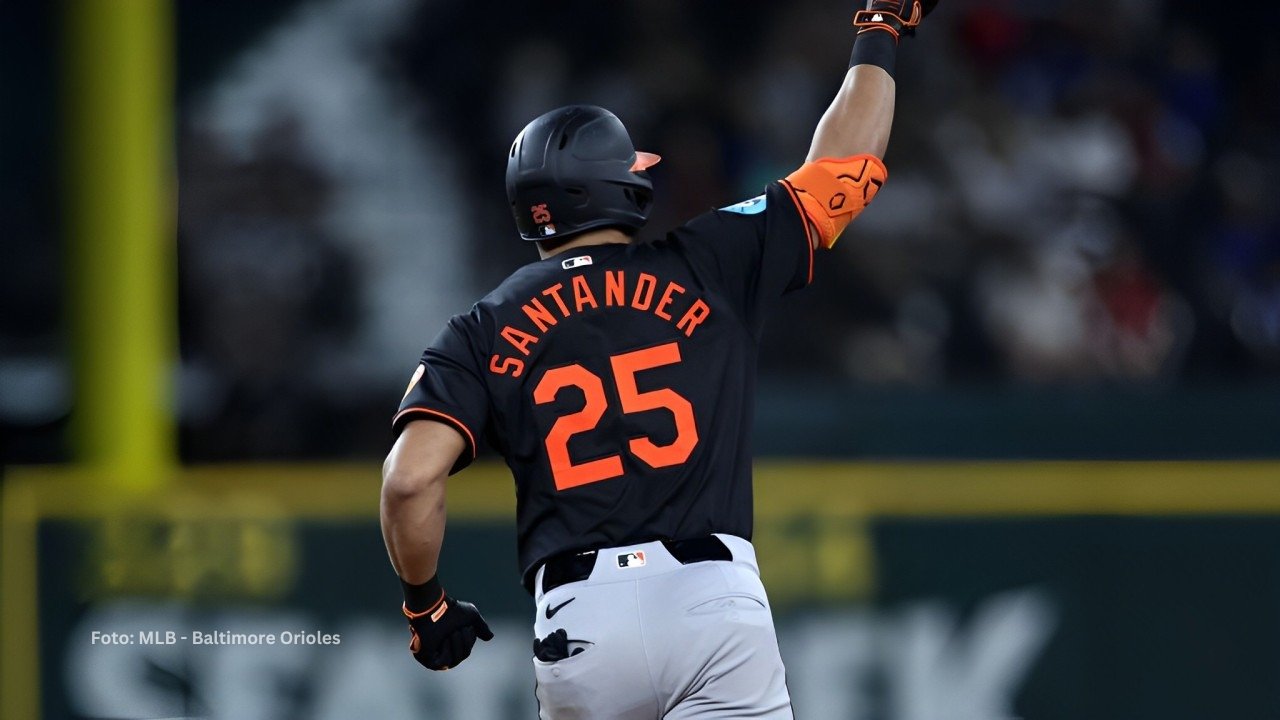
(616, 379)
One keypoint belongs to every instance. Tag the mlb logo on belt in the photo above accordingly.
(631, 559)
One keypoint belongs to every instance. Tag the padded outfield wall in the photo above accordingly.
(921, 591)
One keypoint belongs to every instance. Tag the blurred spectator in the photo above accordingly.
(1070, 201)
(265, 292)
(1035, 227)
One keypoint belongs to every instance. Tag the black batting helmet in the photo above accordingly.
(575, 169)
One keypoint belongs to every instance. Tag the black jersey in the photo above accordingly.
(617, 380)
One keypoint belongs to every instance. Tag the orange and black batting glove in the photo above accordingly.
(896, 17)
(443, 629)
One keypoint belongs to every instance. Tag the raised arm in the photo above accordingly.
(859, 119)
(843, 170)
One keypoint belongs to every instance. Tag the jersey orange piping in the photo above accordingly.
(471, 439)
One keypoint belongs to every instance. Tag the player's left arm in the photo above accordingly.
(413, 497)
(844, 169)
(412, 510)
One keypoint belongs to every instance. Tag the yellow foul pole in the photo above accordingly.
(118, 154)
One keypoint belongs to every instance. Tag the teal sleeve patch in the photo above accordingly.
(747, 207)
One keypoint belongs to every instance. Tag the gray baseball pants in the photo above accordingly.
(662, 640)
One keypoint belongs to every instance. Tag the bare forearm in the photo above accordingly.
(413, 520)
(859, 118)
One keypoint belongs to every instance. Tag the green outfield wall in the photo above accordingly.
(902, 591)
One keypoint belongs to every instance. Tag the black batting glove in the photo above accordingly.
(443, 629)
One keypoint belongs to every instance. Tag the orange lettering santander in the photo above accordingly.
(693, 317)
(644, 288)
(582, 295)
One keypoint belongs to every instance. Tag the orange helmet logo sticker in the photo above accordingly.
(540, 213)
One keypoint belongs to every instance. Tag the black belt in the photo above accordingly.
(577, 565)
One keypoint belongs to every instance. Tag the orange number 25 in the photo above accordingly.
(569, 474)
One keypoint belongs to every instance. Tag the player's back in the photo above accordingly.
(630, 418)
(619, 380)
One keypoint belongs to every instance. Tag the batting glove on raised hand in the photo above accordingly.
(896, 17)
(444, 632)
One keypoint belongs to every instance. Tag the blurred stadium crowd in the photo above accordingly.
(1080, 193)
